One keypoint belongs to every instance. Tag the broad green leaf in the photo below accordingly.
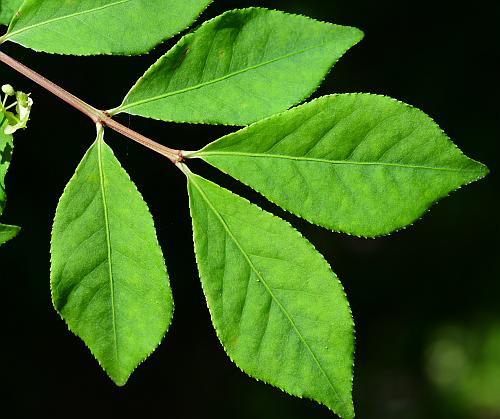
(240, 67)
(357, 163)
(93, 27)
(8, 9)
(278, 309)
(108, 276)
(8, 232)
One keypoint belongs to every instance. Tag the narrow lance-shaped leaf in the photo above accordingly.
(93, 27)
(108, 276)
(7, 232)
(278, 309)
(8, 9)
(240, 67)
(357, 163)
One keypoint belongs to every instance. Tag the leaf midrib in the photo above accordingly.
(108, 242)
(268, 288)
(202, 154)
(46, 22)
(124, 106)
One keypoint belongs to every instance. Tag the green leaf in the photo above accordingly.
(357, 163)
(278, 309)
(8, 232)
(23, 106)
(240, 67)
(6, 148)
(93, 27)
(8, 9)
(108, 276)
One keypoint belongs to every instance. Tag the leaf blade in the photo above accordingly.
(6, 149)
(361, 164)
(108, 277)
(8, 232)
(8, 9)
(254, 290)
(119, 27)
(262, 60)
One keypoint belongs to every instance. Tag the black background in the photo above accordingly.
(426, 300)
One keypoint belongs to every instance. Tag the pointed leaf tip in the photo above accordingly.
(278, 309)
(240, 67)
(8, 232)
(108, 276)
(357, 163)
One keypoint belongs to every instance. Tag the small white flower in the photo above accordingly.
(23, 108)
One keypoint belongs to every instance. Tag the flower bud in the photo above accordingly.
(8, 90)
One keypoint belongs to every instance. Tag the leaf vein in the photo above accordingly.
(46, 22)
(126, 106)
(326, 161)
(108, 240)
(269, 290)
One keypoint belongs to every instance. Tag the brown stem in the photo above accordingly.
(52, 87)
(97, 116)
(172, 154)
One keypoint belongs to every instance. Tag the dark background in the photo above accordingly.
(426, 300)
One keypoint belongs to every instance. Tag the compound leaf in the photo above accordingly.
(108, 276)
(8, 9)
(240, 67)
(121, 27)
(278, 309)
(357, 163)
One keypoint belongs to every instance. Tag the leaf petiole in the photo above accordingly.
(97, 116)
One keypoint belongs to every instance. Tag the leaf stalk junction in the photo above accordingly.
(97, 116)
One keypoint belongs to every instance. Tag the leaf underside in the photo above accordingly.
(7, 232)
(240, 67)
(357, 163)
(278, 309)
(7, 10)
(108, 277)
(91, 27)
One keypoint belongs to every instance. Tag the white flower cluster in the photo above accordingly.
(22, 105)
